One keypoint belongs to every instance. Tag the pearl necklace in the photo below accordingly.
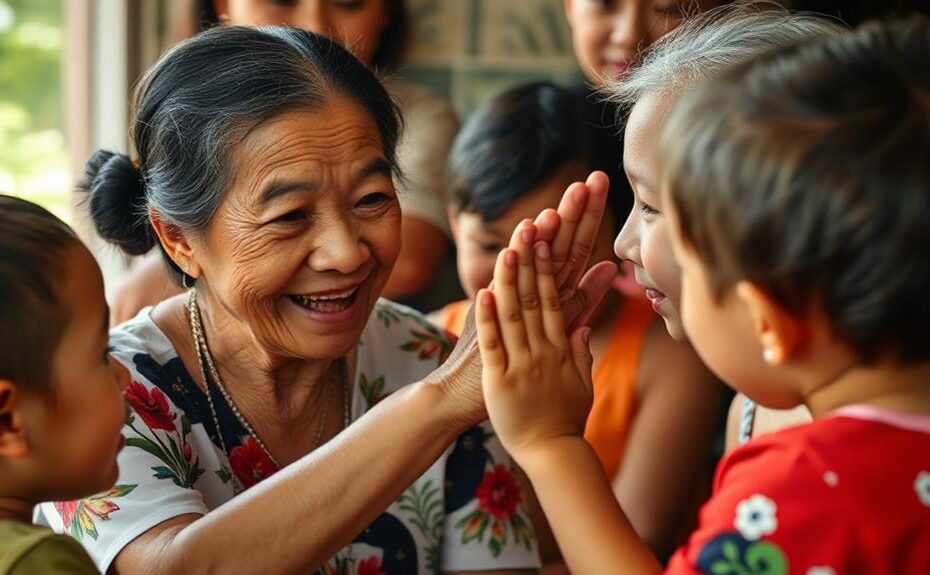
(205, 359)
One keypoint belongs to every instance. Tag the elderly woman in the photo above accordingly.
(263, 164)
(375, 31)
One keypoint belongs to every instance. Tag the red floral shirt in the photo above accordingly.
(845, 494)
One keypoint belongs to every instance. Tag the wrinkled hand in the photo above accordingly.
(571, 232)
(537, 385)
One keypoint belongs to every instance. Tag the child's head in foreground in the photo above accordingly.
(513, 158)
(796, 189)
(701, 48)
(61, 407)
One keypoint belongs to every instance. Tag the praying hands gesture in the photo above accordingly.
(536, 380)
(570, 233)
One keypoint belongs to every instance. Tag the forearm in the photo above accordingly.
(296, 520)
(592, 531)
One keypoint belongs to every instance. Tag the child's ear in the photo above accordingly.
(176, 244)
(12, 433)
(779, 331)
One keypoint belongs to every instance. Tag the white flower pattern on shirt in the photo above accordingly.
(755, 517)
(922, 487)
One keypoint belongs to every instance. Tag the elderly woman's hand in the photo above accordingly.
(571, 231)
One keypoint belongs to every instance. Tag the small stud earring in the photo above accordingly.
(768, 355)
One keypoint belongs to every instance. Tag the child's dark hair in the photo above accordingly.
(514, 142)
(34, 246)
(806, 172)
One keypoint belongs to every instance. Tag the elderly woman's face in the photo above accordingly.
(308, 232)
(356, 24)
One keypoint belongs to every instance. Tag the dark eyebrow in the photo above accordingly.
(279, 188)
(380, 167)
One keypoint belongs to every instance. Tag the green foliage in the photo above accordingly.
(33, 162)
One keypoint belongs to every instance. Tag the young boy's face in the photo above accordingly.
(644, 239)
(75, 437)
(478, 242)
(607, 35)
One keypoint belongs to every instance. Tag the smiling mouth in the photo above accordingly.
(329, 303)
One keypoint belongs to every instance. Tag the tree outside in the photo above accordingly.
(33, 158)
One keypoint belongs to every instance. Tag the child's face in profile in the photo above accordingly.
(607, 35)
(478, 241)
(75, 436)
(644, 239)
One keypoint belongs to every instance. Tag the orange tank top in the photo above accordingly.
(615, 380)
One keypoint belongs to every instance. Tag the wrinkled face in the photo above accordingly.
(478, 242)
(356, 24)
(306, 236)
(607, 35)
(77, 435)
(644, 239)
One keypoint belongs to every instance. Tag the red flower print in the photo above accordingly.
(250, 463)
(66, 509)
(370, 566)
(152, 406)
(498, 495)
(78, 516)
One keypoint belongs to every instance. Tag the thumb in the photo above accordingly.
(581, 355)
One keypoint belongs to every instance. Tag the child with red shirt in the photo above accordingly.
(798, 209)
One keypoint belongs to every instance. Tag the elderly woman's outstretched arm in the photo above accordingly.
(296, 519)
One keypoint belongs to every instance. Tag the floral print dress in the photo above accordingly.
(464, 513)
(849, 493)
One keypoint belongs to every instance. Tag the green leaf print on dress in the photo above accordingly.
(172, 447)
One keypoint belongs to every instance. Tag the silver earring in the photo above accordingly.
(187, 281)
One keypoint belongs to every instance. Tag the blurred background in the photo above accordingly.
(67, 68)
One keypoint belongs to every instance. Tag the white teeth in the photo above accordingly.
(322, 298)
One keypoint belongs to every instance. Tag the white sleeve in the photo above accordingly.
(163, 467)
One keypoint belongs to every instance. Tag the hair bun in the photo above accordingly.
(117, 201)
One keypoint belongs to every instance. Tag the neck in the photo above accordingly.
(260, 379)
(16, 509)
(885, 385)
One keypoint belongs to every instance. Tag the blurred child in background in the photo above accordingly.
(656, 405)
